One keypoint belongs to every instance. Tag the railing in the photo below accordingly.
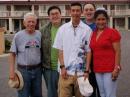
(4, 13)
(64, 13)
(12, 13)
(44, 13)
(18, 13)
(120, 12)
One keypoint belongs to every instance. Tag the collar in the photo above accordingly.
(86, 22)
(103, 29)
(50, 24)
(81, 24)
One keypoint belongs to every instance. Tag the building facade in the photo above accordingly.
(12, 12)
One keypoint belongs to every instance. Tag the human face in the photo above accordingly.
(75, 13)
(89, 11)
(55, 16)
(30, 23)
(101, 21)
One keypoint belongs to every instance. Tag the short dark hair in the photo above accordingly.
(98, 12)
(91, 4)
(53, 7)
(76, 4)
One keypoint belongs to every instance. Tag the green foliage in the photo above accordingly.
(7, 45)
(11, 32)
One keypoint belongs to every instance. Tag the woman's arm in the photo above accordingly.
(117, 48)
(115, 73)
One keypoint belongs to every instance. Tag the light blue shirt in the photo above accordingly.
(27, 47)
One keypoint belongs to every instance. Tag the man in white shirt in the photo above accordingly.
(72, 41)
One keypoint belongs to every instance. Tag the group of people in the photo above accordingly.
(62, 52)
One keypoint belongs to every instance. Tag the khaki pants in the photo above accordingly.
(68, 87)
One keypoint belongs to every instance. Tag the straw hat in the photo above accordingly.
(85, 87)
(18, 82)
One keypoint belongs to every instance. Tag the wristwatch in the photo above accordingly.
(86, 71)
(62, 66)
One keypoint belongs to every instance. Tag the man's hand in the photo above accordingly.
(64, 73)
(12, 76)
(86, 75)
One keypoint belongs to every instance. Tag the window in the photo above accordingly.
(112, 7)
(129, 6)
(129, 23)
(121, 7)
(2, 22)
(105, 6)
(43, 8)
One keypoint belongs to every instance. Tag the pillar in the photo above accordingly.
(2, 40)
(32, 9)
(12, 10)
(10, 25)
(111, 22)
(108, 10)
(126, 23)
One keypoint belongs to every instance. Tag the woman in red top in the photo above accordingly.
(105, 44)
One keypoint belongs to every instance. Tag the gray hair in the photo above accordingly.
(29, 14)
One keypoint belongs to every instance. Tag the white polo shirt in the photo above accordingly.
(75, 43)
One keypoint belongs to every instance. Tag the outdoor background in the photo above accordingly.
(11, 17)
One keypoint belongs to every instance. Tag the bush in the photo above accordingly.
(7, 45)
(11, 33)
(5, 32)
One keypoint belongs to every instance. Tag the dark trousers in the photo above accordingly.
(93, 82)
(51, 79)
(32, 83)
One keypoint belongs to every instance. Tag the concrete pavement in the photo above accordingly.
(5, 91)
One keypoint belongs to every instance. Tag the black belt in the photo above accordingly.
(29, 67)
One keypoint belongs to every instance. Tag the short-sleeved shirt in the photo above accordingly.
(103, 51)
(54, 51)
(75, 44)
(91, 25)
(27, 47)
